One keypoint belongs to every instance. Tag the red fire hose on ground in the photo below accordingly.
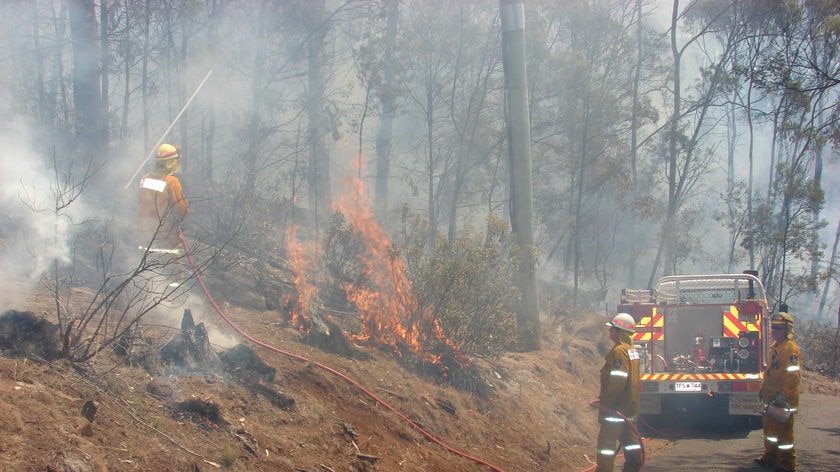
(291, 355)
(596, 404)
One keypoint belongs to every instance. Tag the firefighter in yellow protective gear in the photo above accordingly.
(619, 399)
(781, 389)
(162, 204)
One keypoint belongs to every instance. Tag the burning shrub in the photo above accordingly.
(456, 295)
(457, 301)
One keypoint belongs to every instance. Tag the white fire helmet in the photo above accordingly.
(624, 322)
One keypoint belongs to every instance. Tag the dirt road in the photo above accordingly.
(817, 434)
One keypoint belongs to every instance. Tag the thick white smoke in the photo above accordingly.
(34, 232)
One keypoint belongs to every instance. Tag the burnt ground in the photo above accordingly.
(273, 412)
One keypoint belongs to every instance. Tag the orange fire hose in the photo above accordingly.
(356, 384)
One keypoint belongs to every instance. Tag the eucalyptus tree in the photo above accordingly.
(785, 235)
(319, 54)
(316, 28)
(756, 24)
(820, 62)
(643, 114)
(267, 19)
(51, 63)
(375, 51)
(583, 102)
(150, 50)
(475, 97)
(600, 39)
(35, 64)
(388, 100)
(428, 57)
(687, 147)
(800, 74)
(89, 81)
(449, 72)
(276, 110)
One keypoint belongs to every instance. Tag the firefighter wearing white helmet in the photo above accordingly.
(619, 398)
(162, 204)
(781, 390)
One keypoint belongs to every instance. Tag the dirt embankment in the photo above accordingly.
(272, 412)
(536, 418)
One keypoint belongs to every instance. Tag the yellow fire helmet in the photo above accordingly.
(783, 318)
(168, 161)
(167, 151)
(623, 321)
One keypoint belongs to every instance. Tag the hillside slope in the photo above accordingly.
(304, 409)
(305, 418)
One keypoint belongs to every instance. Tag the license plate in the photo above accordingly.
(687, 386)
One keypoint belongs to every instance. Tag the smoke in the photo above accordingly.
(171, 313)
(38, 223)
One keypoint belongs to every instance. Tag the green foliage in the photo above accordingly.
(784, 234)
(467, 283)
(820, 347)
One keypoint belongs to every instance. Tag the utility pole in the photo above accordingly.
(512, 13)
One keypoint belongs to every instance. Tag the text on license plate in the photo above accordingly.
(687, 386)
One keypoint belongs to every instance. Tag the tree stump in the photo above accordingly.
(190, 349)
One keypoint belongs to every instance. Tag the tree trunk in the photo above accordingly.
(388, 102)
(320, 199)
(105, 58)
(430, 159)
(751, 177)
(144, 87)
(664, 250)
(828, 281)
(246, 193)
(91, 126)
(457, 185)
(577, 231)
(209, 127)
(731, 142)
(635, 124)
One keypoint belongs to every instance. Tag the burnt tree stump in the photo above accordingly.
(190, 349)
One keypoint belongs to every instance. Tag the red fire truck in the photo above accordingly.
(704, 344)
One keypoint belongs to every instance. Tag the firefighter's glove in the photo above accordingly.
(781, 401)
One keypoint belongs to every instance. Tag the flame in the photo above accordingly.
(390, 313)
(301, 259)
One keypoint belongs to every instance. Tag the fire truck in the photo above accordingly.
(703, 341)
